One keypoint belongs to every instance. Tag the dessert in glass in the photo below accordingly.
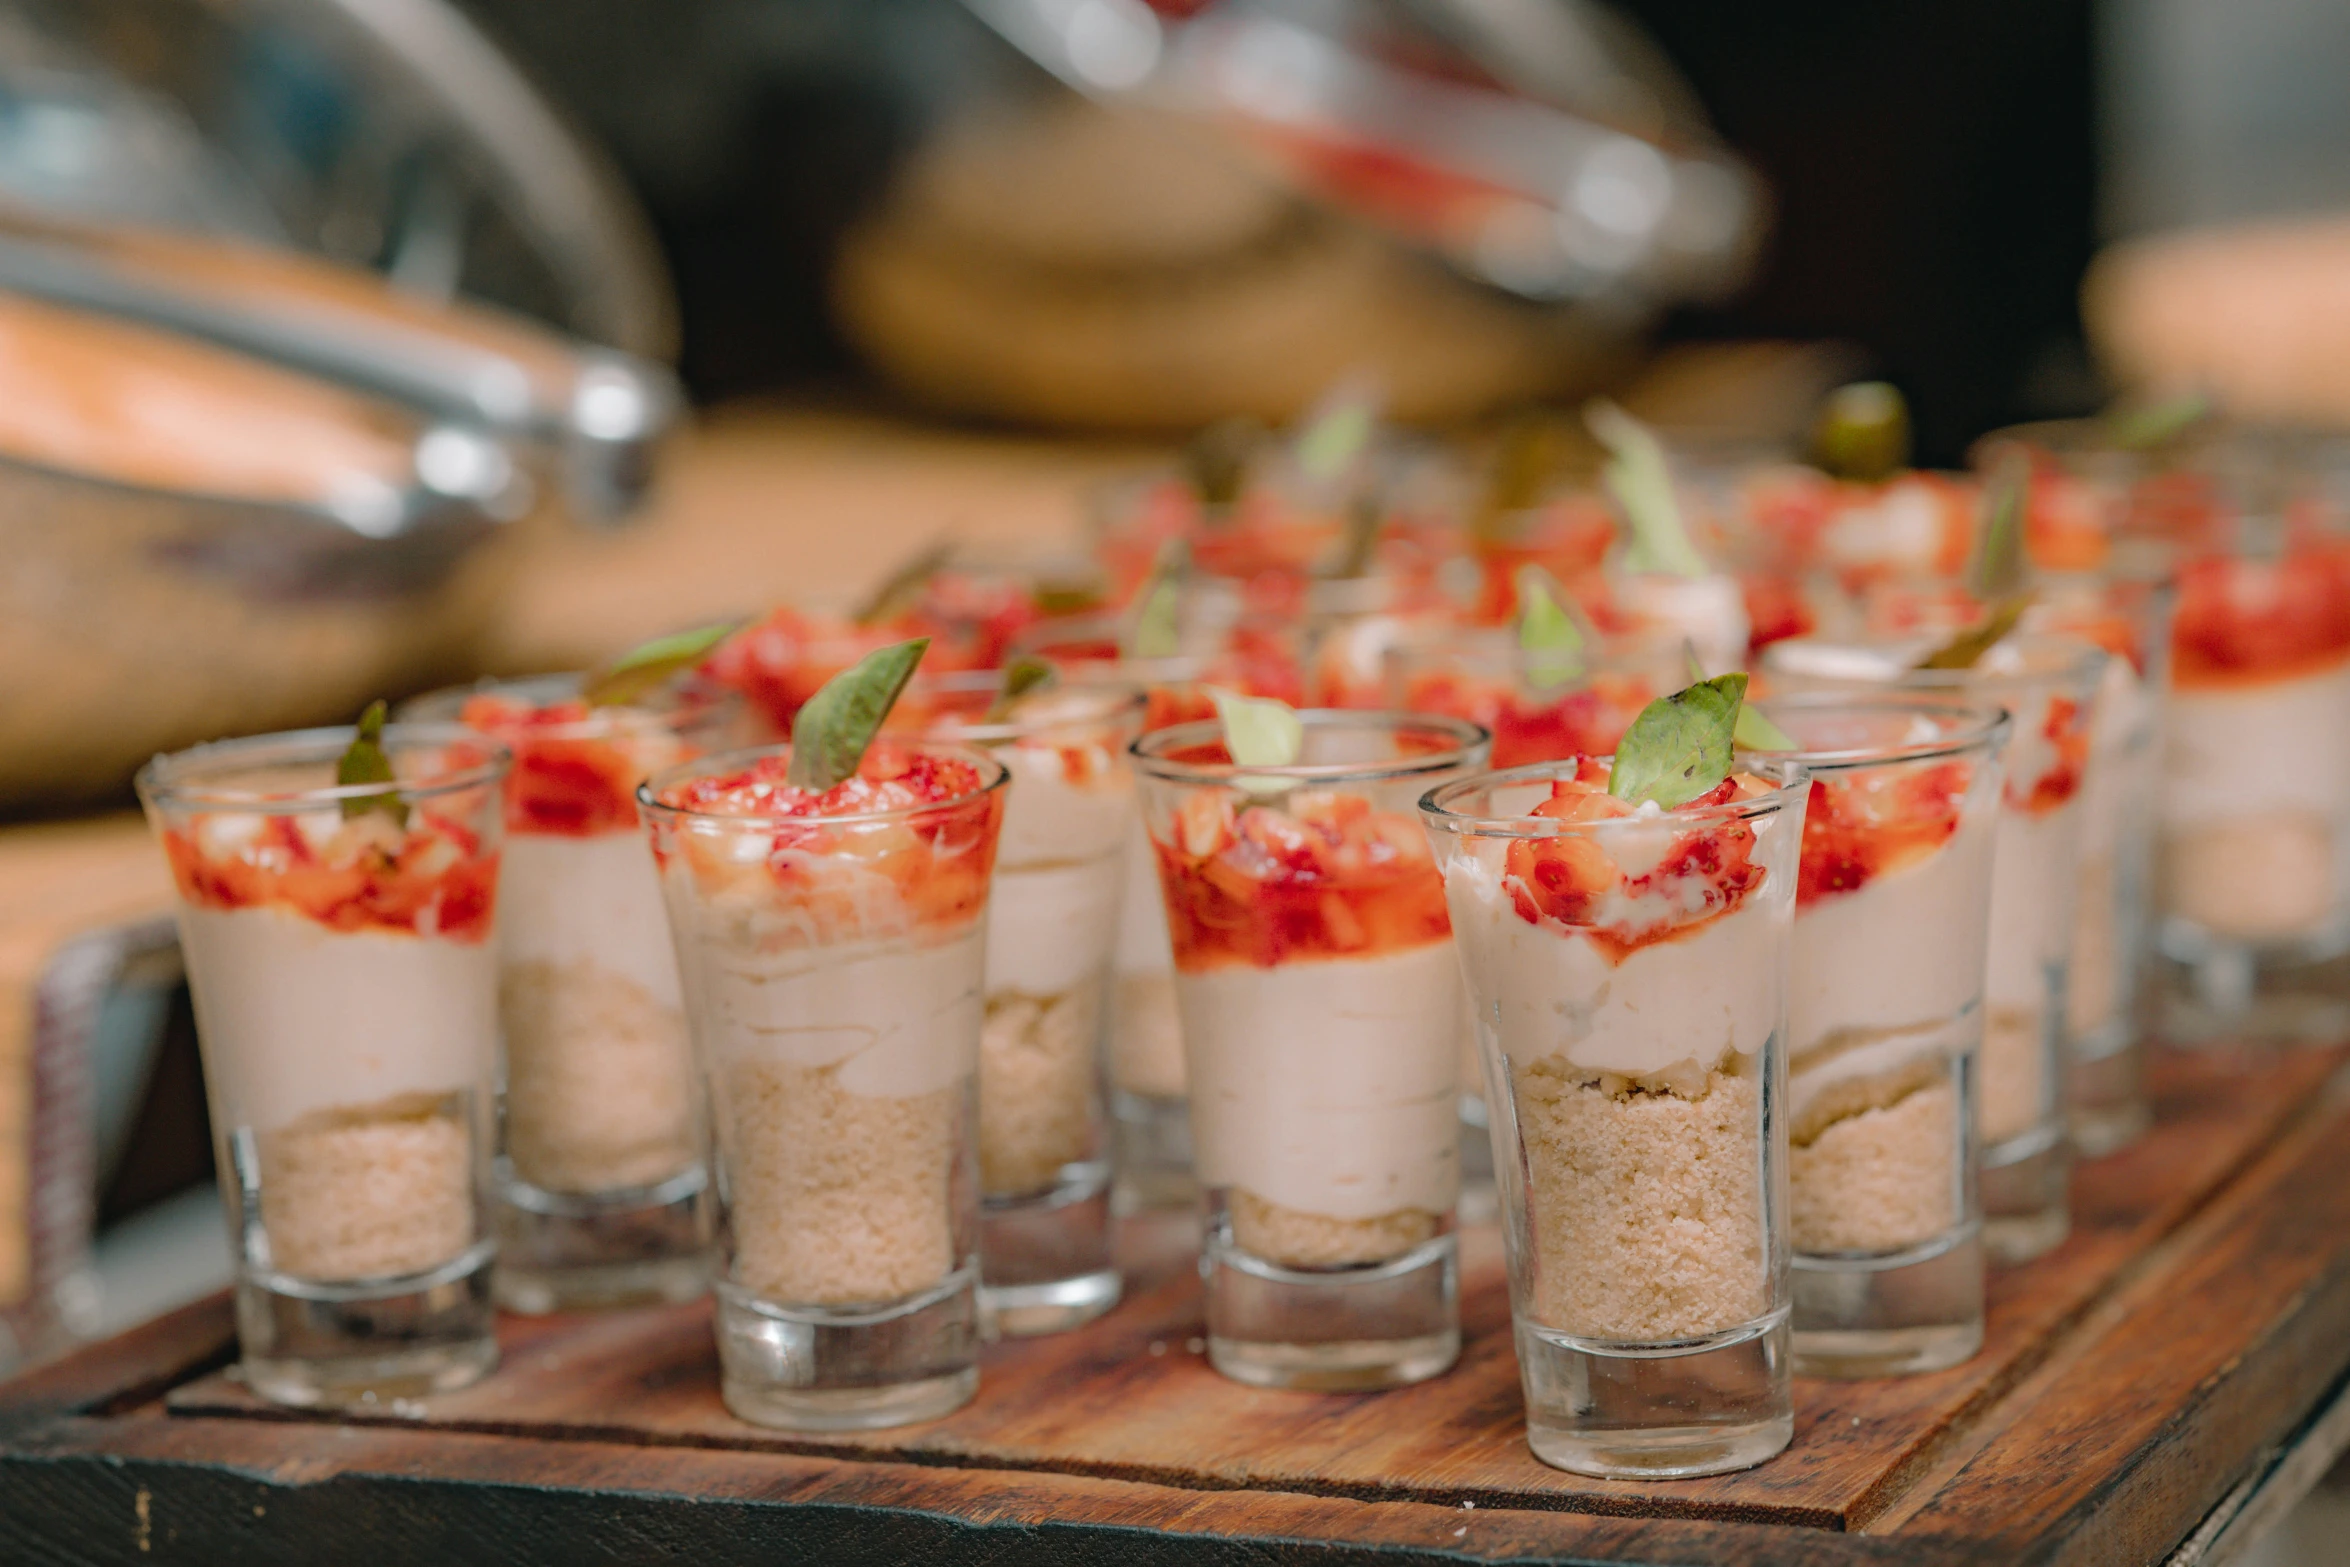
(602, 1176)
(832, 945)
(2048, 686)
(1490, 679)
(1627, 967)
(1045, 1142)
(1148, 1087)
(2254, 859)
(341, 947)
(1321, 1008)
(1884, 1017)
(2125, 608)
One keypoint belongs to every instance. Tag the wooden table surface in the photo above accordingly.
(2199, 1315)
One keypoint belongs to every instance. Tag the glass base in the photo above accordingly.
(2218, 994)
(1154, 1152)
(315, 1345)
(1044, 1260)
(2105, 1093)
(1340, 1330)
(818, 1368)
(1919, 1310)
(2027, 1208)
(563, 1251)
(1663, 1412)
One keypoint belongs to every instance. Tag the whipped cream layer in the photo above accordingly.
(2276, 745)
(1329, 1087)
(564, 900)
(2034, 891)
(899, 1018)
(1054, 909)
(1145, 945)
(295, 1017)
(1903, 949)
(1671, 1012)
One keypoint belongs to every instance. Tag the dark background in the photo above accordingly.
(1933, 163)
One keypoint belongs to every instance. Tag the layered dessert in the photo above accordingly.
(345, 981)
(832, 947)
(1886, 986)
(1053, 922)
(1629, 975)
(2253, 808)
(1486, 682)
(599, 1074)
(1320, 1005)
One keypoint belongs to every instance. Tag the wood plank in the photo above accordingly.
(1132, 1399)
(2219, 1347)
(263, 1493)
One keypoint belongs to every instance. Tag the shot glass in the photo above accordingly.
(833, 951)
(1321, 1007)
(1885, 1015)
(2125, 609)
(1045, 1145)
(1149, 1089)
(2048, 686)
(1628, 975)
(341, 947)
(2253, 880)
(602, 1176)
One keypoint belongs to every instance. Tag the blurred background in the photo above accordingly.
(352, 346)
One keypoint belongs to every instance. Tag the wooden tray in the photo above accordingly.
(2197, 1317)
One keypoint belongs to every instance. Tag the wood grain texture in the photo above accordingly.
(2200, 1310)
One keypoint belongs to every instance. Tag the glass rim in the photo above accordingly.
(1791, 780)
(1989, 727)
(1466, 739)
(648, 800)
(175, 779)
(1120, 699)
(2083, 661)
(698, 702)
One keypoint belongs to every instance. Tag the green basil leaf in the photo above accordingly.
(1863, 432)
(639, 672)
(1258, 731)
(1022, 676)
(902, 589)
(364, 762)
(1754, 730)
(1966, 649)
(2147, 427)
(1217, 461)
(1997, 569)
(1366, 519)
(1640, 481)
(1337, 432)
(829, 737)
(1547, 633)
(1680, 745)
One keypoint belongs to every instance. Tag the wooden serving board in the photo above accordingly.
(2199, 1314)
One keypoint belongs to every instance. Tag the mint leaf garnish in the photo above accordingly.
(1863, 432)
(829, 737)
(1640, 481)
(364, 762)
(639, 672)
(1680, 745)
(902, 589)
(1366, 519)
(1022, 676)
(1217, 461)
(1966, 649)
(1337, 432)
(1258, 731)
(1157, 628)
(1754, 730)
(1547, 633)
(1995, 570)
(2146, 427)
